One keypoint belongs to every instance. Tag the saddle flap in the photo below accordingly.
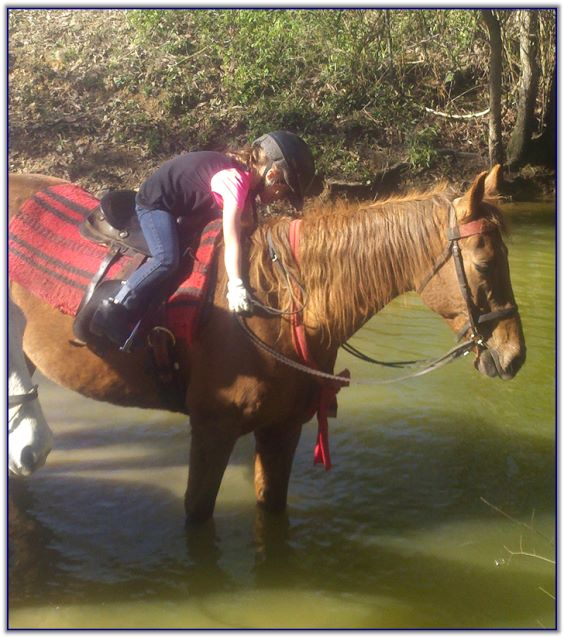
(115, 222)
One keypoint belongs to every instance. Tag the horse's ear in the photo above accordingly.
(473, 198)
(494, 180)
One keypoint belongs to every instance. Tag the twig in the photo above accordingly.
(547, 593)
(473, 88)
(529, 554)
(514, 520)
(369, 116)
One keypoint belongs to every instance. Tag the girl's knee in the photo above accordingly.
(169, 262)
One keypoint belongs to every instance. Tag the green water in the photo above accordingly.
(397, 535)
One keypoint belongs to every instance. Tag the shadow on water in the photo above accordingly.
(352, 531)
(438, 465)
(30, 557)
(132, 546)
(444, 591)
(165, 450)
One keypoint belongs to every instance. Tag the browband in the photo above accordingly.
(471, 228)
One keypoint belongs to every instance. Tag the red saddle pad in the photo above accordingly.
(49, 257)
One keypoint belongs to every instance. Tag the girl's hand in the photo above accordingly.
(237, 296)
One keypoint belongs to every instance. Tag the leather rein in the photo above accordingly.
(475, 317)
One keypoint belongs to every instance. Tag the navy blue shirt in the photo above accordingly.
(182, 185)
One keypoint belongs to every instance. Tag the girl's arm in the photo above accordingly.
(231, 237)
(237, 294)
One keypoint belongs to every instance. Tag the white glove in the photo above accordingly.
(237, 296)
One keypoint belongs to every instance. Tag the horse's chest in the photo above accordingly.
(254, 403)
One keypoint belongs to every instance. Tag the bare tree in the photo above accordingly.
(520, 141)
(544, 147)
(494, 32)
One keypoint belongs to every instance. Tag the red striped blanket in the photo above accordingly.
(49, 257)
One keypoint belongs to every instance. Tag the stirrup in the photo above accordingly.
(126, 347)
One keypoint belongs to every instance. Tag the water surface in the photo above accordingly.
(402, 532)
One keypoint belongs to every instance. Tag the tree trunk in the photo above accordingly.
(520, 142)
(544, 147)
(495, 141)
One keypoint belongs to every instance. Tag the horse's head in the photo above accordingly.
(30, 438)
(473, 293)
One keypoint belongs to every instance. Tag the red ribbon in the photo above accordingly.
(325, 404)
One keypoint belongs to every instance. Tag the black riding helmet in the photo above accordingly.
(292, 155)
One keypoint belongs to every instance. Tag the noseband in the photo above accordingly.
(475, 317)
(17, 401)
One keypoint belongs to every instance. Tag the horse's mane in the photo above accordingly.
(368, 253)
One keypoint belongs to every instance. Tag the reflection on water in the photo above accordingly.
(396, 535)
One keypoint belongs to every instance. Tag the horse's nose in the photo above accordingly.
(30, 460)
(516, 363)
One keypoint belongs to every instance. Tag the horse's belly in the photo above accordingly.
(122, 379)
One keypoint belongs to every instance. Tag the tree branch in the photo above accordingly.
(529, 554)
(467, 116)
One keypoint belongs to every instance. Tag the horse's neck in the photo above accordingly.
(368, 258)
(19, 380)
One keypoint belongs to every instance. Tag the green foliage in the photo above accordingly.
(353, 82)
(303, 68)
(301, 62)
(422, 151)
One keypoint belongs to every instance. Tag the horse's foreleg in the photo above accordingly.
(210, 449)
(275, 448)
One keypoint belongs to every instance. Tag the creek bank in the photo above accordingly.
(531, 183)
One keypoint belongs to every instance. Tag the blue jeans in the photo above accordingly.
(161, 233)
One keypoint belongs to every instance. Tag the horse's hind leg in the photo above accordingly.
(275, 448)
(210, 449)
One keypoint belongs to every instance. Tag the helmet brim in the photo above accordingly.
(294, 195)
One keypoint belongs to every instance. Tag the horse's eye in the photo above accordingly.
(483, 267)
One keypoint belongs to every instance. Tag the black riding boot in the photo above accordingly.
(113, 321)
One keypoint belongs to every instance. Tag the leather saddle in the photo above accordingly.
(113, 224)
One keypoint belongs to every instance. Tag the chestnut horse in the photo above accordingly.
(352, 260)
(29, 436)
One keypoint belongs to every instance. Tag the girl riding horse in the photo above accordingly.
(205, 185)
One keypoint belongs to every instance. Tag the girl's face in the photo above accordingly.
(275, 188)
(274, 192)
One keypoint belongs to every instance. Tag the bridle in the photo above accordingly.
(18, 401)
(475, 319)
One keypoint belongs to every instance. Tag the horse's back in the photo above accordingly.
(22, 186)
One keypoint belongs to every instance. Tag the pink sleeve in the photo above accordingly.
(231, 186)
